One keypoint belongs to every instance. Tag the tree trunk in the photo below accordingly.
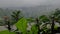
(9, 27)
(38, 25)
(52, 27)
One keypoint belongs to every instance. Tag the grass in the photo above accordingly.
(6, 32)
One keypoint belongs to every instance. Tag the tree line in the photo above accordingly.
(36, 29)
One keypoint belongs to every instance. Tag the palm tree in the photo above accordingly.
(16, 16)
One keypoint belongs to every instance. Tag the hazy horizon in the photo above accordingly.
(27, 3)
(31, 7)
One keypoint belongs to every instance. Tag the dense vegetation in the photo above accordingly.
(39, 25)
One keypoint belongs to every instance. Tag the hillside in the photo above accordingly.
(31, 11)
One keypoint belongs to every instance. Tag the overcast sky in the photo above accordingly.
(21, 3)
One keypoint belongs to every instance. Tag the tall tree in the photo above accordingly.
(16, 16)
(37, 20)
(52, 27)
(57, 15)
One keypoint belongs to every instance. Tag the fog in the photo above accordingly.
(27, 3)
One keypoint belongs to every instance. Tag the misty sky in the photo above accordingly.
(21, 3)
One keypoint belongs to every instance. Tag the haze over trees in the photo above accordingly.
(30, 25)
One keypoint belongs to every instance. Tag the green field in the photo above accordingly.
(6, 32)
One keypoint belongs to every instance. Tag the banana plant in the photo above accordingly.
(22, 25)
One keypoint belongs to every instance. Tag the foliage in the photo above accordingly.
(15, 16)
(55, 27)
(34, 29)
(30, 19)
(22, 25)
(57, 15)
(57, 12)
(44, 18)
